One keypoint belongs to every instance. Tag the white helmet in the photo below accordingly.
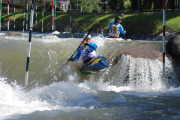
(89, 36)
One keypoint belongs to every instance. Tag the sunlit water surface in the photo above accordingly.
(59, 91)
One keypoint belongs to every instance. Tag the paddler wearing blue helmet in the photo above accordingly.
(115, 28)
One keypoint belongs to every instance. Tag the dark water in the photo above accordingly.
(58, 91)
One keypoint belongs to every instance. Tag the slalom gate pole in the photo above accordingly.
(29, 47)
(164, 23)
(26, 14)
(8, 14)
(42, 18)
(23, 21)
(14, 19)
(70, 16)
(52, 14)
(0, 12)
(55, 15)
(98, 19)
(36, 16)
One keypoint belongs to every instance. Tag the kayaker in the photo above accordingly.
(115, 28)
(87, 51)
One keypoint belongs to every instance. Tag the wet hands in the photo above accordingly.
(83, 42)
(122, 15)
(69, 60)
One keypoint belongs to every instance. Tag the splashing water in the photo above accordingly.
(131, 89)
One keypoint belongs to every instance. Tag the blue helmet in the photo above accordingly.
(117, 18)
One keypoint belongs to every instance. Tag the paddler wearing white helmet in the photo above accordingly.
(87, 50)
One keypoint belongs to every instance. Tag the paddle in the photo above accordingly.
(93, 27)
(125, 36)
(122, 15)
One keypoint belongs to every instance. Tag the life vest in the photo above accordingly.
(87, 51)
(114, 30)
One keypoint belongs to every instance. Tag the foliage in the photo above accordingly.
(133, 24)
(85, 4)
(144, 4)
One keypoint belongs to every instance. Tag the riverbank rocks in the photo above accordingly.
(13, 33)
(139, 52)
(173, 48)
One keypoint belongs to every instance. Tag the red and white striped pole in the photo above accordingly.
(52, 14)
(70, 16)
(36, 16)
(98, 18)
(8, 14)
(0, 12)
(164, 23)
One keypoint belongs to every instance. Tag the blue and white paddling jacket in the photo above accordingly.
(86, 51)
(115, 29)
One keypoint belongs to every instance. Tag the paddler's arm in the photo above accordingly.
(76, 57)
(78, 54)
(122, 30)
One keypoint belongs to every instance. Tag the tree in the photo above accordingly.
(172, 7)
(120, 4)
(147, 4)
(113, 4)
(134, 4)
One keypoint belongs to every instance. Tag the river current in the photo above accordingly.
(57, 91)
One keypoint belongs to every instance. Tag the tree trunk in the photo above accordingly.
(114, 5)
(104, 5)
(172, 7)
(179, 6)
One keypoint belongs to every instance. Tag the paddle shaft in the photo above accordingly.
(123, 25)
(125, 36)
(76, 50)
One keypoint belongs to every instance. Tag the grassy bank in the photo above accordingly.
(133, 24)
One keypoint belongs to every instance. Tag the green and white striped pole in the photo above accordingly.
(42, 19)
(0, 12)
(26, 14)
(14, 19)
(54, 14)
(29, 47)
(23, 21)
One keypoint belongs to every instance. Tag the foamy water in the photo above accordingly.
(132, 89)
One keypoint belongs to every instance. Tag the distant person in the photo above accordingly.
(115, 28)
(87, 51)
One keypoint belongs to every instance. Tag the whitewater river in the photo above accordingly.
(56, 91)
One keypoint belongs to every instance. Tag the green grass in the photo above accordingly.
(134, 24)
